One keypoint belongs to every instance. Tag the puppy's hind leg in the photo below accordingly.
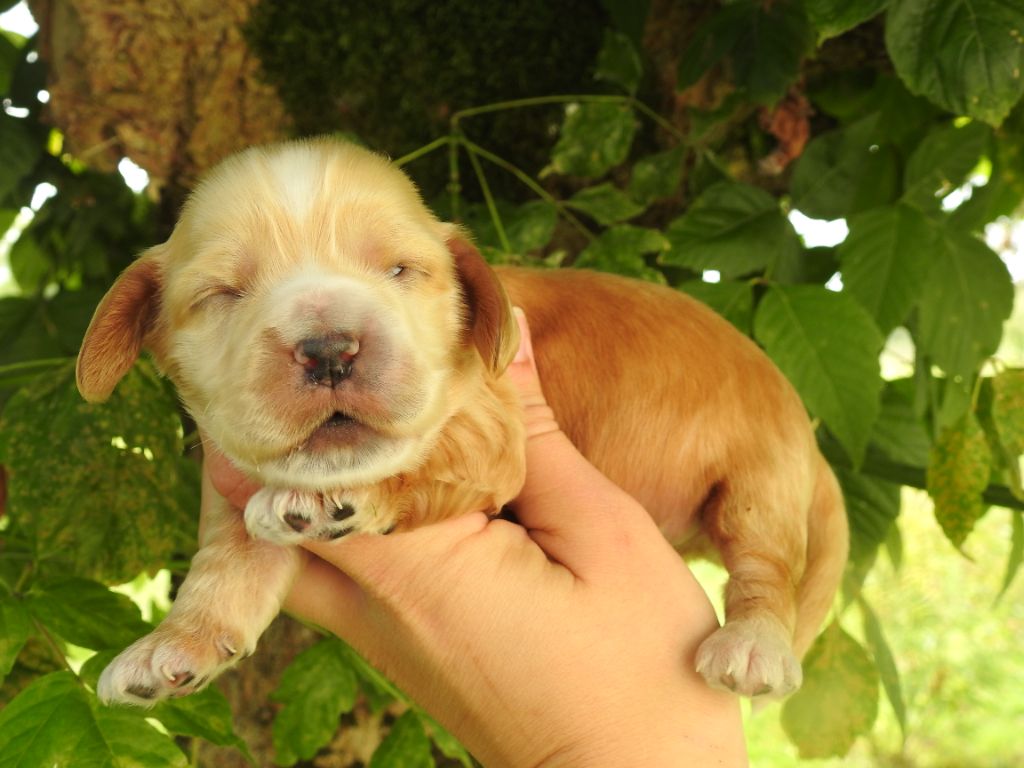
(232, 592)
(763, 547)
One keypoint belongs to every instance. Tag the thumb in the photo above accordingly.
(565, 497)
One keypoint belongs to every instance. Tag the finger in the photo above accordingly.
(327, 597)
(381, 565)
(573, 511)
(230, 482)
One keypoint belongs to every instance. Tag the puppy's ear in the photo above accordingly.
(490, 325)
(120, 325)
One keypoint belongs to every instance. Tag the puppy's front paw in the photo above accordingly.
(288, 517)
(750, 658)
(171, 662)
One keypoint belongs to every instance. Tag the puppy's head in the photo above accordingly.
(320, 324)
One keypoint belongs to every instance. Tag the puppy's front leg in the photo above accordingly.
(232, 592)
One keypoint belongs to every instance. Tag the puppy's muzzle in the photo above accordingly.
(327, 360)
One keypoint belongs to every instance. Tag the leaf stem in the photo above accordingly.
(915, 477)
(529, 182)
(55, 647)
(492, 209)
(426, 149)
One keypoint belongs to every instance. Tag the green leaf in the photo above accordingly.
(621, 249)
(839, 698)
(134, 744)
(1008, 411)
(530, 226)
(765, 44)
(900, 433)
(405, 746)
(958, 472)
(656, 176)
(88, 614)
(315, 689)
(9, 55)
(833, 17)
(448, 744)
(125, 499)
(1016, 557)
(942, 161)
(733, 228)
(872, 506)
(54, 723)
(733, 301)
(15, 628)
(206, 714)
(845, 171)
(619, 62)
(965, 300)
(605, 203)
(828, 347)
(30, 264)
(19, 152)
(885, 261)
(595, 137)
(806, 265)
(964, 55)
(885, 662)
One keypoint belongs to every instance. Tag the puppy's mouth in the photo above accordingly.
(339, 430)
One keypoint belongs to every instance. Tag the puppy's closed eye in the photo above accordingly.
(213, 294)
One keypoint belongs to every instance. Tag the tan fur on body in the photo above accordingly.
(346, 348)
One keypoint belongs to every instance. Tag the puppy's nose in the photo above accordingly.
(327, 360)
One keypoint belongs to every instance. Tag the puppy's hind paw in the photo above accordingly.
(289, 517)
(750, 658)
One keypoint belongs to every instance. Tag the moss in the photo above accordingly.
(393, 71)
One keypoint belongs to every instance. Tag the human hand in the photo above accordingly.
(567, 640)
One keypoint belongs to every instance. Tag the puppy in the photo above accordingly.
(346, 348)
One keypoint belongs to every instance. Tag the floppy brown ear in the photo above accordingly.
(491, 327)
(118, 328)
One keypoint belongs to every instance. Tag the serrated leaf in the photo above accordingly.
(605, 203)
(206, 714)
(827, 346)
(405, 746)
(872, 506)
(88, 614)
(54, 723)
(619, 62)
(134, 744)
(838, 700)
(833, 17)
(964, 55)
(941, 162)
(965, 300)
(845, 171)
(958, 473)
(594, 138)
(733, 301)
(621, 249)
(887, 669)
(806, 265)
(733, 228)
(656, 176)
(885, 261)
(112, 501)
(315, 689)
(899, 432)
(764, 44)
(15, 628)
